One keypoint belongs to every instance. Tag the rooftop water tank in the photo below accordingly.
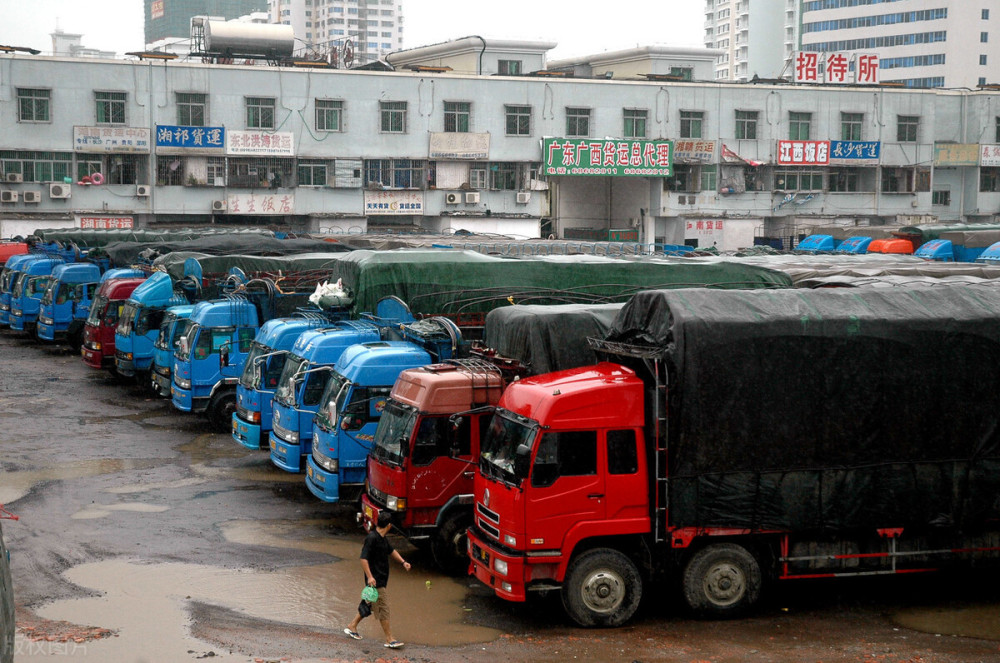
(236, 38)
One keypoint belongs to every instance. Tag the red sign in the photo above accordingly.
(867, 68)
(806, 67)
(106, 222)
(156, 9)
(803, 152)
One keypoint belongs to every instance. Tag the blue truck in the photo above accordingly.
(173, 326)
(67, 301)
(307, 369)
(139, 325)
(26, 295)
(356, 394)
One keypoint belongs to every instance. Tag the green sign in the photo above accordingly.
(586, 156)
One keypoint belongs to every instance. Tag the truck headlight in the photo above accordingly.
(394, 503)
(500, 566)
(45, 320)
(182, 383)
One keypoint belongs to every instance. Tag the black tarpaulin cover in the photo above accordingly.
(549, 338)
(124, 254)
(828, 410)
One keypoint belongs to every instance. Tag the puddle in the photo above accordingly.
(15, 485)
(104, 510)
(981, 621)
(146, 604)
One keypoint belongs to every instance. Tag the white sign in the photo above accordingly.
(260, 143)
(989, 156)
(106, 222)
(261, 203)
(453, 145)
(111, 140)
(394, 203)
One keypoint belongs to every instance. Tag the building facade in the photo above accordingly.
(920, 43)
(346, 32)
(169, 21)
(97, 142)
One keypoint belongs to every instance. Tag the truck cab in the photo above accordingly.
(139, 324)
(209, 358)
(8, 278)
(98, 350)
(173, 326)
(303, 379)
(67, 301)
(26, 295)
(563, 462)
(424, 463)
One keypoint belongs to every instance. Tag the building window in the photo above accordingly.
(33, 105)
(798, 125)
(989, 180)
(456, 116)
(37, 166)
(691, 123)
(477, 176)
(844, 180)
(984, 37)
(906, 128)
(111, 107)
(635, 122)
(982, 60)
(191, 109)
(503, 176)
(260, 112)
(986, 14)
(578, 122)
(259, 172)
(509, 67)
(518, 120)
(394, 173)
(850, 126)
(746, 125)
(940, 197)
(709, 178)
(905, 180)
(329, 115)
(311, 173)
(805, 179)
(393, 117)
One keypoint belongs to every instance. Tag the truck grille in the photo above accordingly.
(377, 496)
(486, 513)
(242, 413)
(489, 529)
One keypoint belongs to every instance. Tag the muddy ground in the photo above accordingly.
(145, 537)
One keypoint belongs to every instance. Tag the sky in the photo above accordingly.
(117, 25)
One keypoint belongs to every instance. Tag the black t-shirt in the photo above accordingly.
(377, 550)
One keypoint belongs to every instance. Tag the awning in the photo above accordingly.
(728, 156)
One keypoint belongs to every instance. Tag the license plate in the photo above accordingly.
(236, 428)
(309, 471)
(369, 514)
(272, 445)
(482, 555)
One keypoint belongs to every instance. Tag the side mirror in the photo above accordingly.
(522, 460)
(224, 355)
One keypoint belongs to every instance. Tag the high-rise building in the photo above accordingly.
(346, 31)
(920, 43)
(171, 19)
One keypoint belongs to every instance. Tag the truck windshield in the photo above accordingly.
(38, 285)
(332, 400)
(262, 373)
(168, 330)
(499, 449)
(8, 278)
(290, 379)
(396, 425)
(51, 291)
(19, 285)
(129, 312)
(97, 310)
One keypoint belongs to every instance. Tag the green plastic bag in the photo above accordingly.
(369, 594)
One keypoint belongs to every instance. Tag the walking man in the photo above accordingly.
(375, 554)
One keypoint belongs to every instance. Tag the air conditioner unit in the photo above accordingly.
(32, 196)
(219, 205)
(57, 190)
(523, 197)
(8, 196)
(452, 198)
(142, 190)
(14, 178)
(472, 197)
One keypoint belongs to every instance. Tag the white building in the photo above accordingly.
(351, 32)
(920, 43)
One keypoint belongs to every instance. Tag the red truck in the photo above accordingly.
(744, 437)
(98, 349)
(421, 465)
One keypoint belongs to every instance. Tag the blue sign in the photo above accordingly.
(855, 150)
(196, 138)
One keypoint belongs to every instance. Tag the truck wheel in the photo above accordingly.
(449, 547)
(722, 580)
(220, 411)
(602, 588)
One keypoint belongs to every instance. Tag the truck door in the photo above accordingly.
(566, 487)
(436, 475)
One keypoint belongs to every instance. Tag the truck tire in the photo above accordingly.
(220, 411)
(602, 588)
(449, 545)
(722, 580)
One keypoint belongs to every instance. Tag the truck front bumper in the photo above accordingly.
(483, 557)
(246, 433)
(92, 358)
(321, 483)
(289, 456)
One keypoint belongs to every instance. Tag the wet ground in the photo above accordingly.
(144, 537)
